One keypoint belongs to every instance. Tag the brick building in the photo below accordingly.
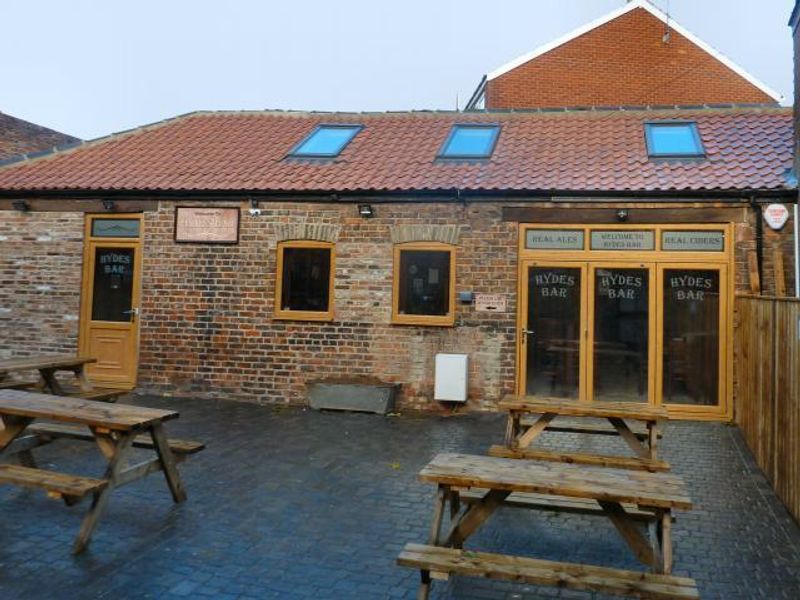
(582, 253)
(19, 137)
(634, 56)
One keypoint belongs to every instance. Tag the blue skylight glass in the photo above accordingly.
(470, 141)
(673, 139)
(326, 140)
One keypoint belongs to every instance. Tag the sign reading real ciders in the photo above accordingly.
(697, 241)
(554, 239)
(623, 240)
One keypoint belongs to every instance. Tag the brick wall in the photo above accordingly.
(624, 62)
(40, 280)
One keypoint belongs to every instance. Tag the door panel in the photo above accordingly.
(111, 290)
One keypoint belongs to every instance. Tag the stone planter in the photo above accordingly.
(358, 397)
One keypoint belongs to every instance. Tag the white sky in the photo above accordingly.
(92, 67)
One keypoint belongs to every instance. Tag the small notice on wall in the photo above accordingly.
(490, 302)
(776, 216)
(207, 225)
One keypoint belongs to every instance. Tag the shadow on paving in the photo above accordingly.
(290, 503)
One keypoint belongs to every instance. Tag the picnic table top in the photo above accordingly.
(45, 361)
(622, 410)
(118, 417)
(658, 490)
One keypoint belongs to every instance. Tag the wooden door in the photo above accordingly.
(110, 298)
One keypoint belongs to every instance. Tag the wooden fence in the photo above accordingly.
(767, 397)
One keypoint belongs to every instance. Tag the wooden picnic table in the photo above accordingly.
(115, 428)
(521, 431)
(611, 489)
(47, 366)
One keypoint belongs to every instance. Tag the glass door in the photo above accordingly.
(621, 347)
(692, 335)
(552, 337)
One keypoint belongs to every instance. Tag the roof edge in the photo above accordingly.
(659, 14)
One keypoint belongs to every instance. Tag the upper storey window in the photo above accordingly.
(673, 139)
(470, 141)
(326, 141)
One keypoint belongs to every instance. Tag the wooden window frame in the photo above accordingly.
(304, 315)
(447, 320)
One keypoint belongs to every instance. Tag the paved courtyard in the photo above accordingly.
(289, 503)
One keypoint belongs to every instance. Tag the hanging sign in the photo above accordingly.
(207, 225)
(776, 216)
(554, 239)
(623, 240)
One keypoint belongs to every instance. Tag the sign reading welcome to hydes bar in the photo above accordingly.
(697, 241)
(554, 239)
(623, 240)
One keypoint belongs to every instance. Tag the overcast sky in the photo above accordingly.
(92, 67)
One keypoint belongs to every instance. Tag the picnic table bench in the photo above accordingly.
(613, 490)
(48, 366)
(115, 428)
(522, 430)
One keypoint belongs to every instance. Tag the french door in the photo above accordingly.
(623, 331)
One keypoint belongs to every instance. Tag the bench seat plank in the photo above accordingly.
(620, 410)
(96, 393)
(598, 460)
(13, 384)
(55, 483)
(658, 490)
(542, 572)
(55, 430)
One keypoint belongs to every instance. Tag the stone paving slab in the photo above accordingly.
(290, 503)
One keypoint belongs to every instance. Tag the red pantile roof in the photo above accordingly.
(21, 137)
(571, 151)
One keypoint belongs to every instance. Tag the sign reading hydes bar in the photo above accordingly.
(554, 239)
(697, 241)
(623, 240)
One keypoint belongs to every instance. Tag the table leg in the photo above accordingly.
(652, 439)
(664, 529)
(12, 428)
(168, 463)
(630, 532)
(50, 382)
(474, 517)
(117, 451)
(442, 494)
(83, 381)
(534, 431)
(630, 438)
(512, 428)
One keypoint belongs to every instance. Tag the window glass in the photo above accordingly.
(673, 139)
(470, 141)
(305, 283)
(118, 228)
(326, 140)
(424, 286)
(113, 284)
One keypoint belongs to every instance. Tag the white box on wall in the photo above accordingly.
(450, 378)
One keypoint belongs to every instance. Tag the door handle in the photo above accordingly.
(525, 333)
(131, 313)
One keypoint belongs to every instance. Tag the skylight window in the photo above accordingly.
(470, 141)
(326, 141)
(673, 139)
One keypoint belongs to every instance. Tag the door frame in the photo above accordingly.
(90, 244)
(659, 259)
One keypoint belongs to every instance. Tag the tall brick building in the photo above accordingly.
(634, 56)
(19, 137)
(587, 253)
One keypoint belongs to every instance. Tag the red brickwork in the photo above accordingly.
(20, 137)
(623, 62)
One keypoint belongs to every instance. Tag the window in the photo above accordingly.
(673, 139)
(424, 284)
(304, 288)
(326, 141)
(470, 141)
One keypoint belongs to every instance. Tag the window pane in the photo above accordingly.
(113, 284)
(470, 141)
(424, 282)
(326, 141)
(691, 336)
(306, 279)
(120, 228)
(621, 317)
(554, 326)
(674, 139)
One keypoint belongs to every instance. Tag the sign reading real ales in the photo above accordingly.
(208, 225)
(697, 241)
(554, 239)
(623, 240)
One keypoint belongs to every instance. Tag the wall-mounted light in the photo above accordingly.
(366, 211)
(254, 210)
(20, 205)
(622, 214)
(108, 204)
